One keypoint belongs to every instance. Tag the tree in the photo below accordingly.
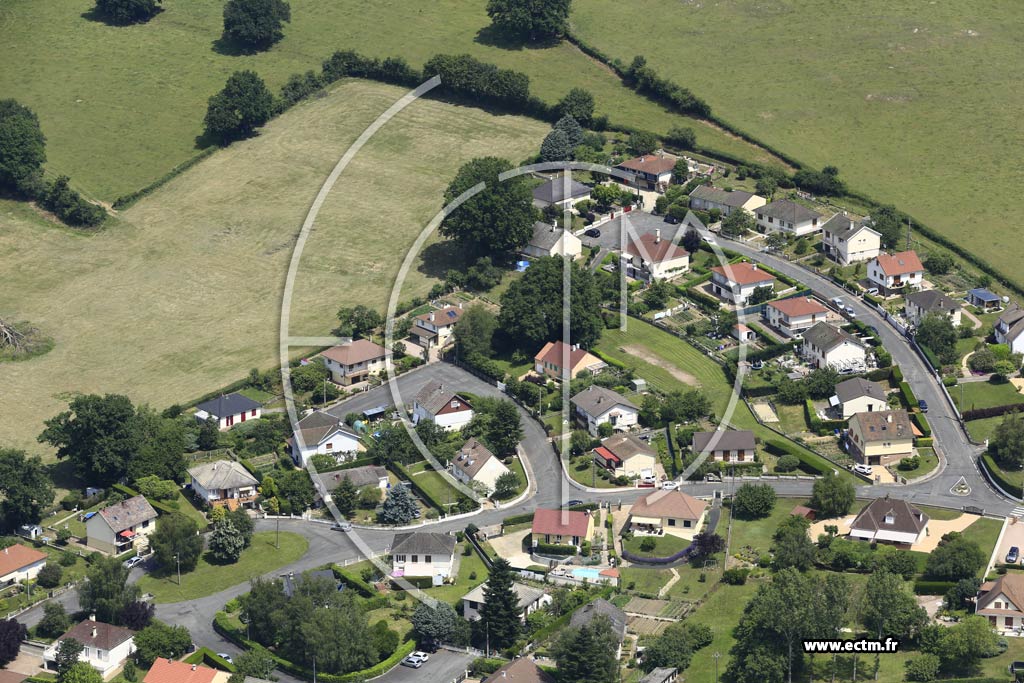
(832, 496)
(572, 129)
(938, 333)
(888, 222)
(11, 635)
(209, 435)
(161, 640)
(55, 620)
(676, 645)
(556, 147)
(642, 142)
(888, 609)
(737, 223)
(1007, 444)
(531, 308)
(961, 596)
(499, 614)
(257, 663)
(25, 488)
(791, 392)
(399, 507)
(761, 295)
(826, 181)
(49, 576)
(504, 430)
(939, 262)
(346, 497)
(923, 668)
(691, 241)
(226, 542)
(587, 654)
(106, 591)
(22, 147)
(657, 294)
(793, 548)
(81, 672)
(706, 545)
(128, 11)
(68, 652)
(260, 608)
(434, 623)
(506, 485)
(137, 615)
(821, 383)
(152, 486)
(241, 520)
(532, 20)
(766, 186)
(97, 435)
(255, 24)
(959, 647)
(358, 321)
(683, 138)
(956, 557)
(295, 490)
(753, 501)
(775, 240)
(577, 103)
(242, 106)
(475, 331)
(497, 220)
(176, 543)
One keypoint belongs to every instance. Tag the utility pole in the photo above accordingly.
(277, 541)
(177, 560)
(716, 657)
(909, 228)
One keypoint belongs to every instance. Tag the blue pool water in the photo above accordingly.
(588, 573)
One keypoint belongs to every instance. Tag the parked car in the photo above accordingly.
(861, 468)
(133, 562)
(872, 291)
(923, 405)
(1013, 555)
(342, 526)
(712, 476)
(573, 503)
(593, 232)
(416, 659)
(850, 312)
(669, 485)
(226, 657)
(650, 479)
(838, 301)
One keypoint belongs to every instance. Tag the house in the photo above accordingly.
(1002, 602)
(560, 193)
(20, 563)
(890, 272)
(521, 670)
(530, 600)
(1009, 328)
(552, 360)
(726, 445)
(785, 215)
(447, 409)
(983, 299)
(434, 329)
(667, 512)
(793, 316)
(847, 241)
(881, 437)
(626, 455)
(171, 671)
(596, 406)
(367, 475)
(324, 434)
(743, 333)
(601, 608)
(292, 583)
(919, 304)
(649, 172)
(224, 483)
(890, 520)
(663, 674)
(120, 527)
(421, 554)
(475, 463)
(650, 257)
(858, 395)
(561, 527)
(105, 647)
(549, 240)
(738, 281)
(827, 346)
(229, 410)
(354, 362)
(706, 198)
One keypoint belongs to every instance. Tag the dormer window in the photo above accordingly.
(889, 519)
(455, 404)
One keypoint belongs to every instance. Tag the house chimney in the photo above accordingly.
(888, 417)
(94, 633)
(460, 305)
(753, 266)
(657, 235)
(431, 317)
(92, 617)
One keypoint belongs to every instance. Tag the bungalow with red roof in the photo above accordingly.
(651, 257)
(626, 455)
(562, 527)
(648, 172)
(20, 563)
(171, 671)
(737, 282)
(890, 272)
(434, 329)
(792, 316)
(556, 356)
(667, 512)
(354, 362)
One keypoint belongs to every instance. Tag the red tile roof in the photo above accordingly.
(903, 263)
(168, 671)
(650, 163)
(743, 273)
(553, 352)
(13, 558)
(798, 306)
(663, 503)
(359, 351)
(561, 522)
(656, 249)
(607, 455)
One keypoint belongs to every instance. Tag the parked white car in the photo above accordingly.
(860, 468)
(669, 485)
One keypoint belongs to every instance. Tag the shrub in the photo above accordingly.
(648, 544)
(70, 206)
(787, 463)
(50, 575)
(736, 576)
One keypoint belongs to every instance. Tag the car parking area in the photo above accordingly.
(1013, 536)
(640, 224)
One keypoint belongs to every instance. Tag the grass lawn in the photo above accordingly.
(983, 429)
(224, 230)
(255, 394)
(985, 532)
(433, 482)
(584, 471)
(721, 611)
(517, 466)
(792, 419)
(469, 566)
(206, 579)
(664, 546)
(757, 533)
(928, 462)
(932, 72)
(972, 395)
(644, 580)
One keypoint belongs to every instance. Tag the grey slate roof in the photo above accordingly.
(554, 190)
(318, 424)
(222, 474)
(787, 210)
(663, 674)
(229, 404)
(366, 475)
(422, 543)
(906, 517)
(1013, 318)
(472, 457)
(851, 389)
(128, 513)
(728, 440)
(845, 227)
(595, 400)
(932, 301)
(545, 236)
(826, 337)
(527, 594)
(736, 198)
(584, 615)
(291, 582)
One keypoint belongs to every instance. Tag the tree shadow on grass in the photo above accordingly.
(63, 475)
(492, 37)
(94, 14)
(438, 258)
(232, 48)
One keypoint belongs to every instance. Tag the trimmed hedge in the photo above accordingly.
(907, 394)
(880, 374)
(922, 423)
(555, 549)
(517, 519)
(639, 559)
(988, 463)
(358, 462)
(925, 442)
(818, 425)
(354, 582)
(781, 447)
(403, 473)
(928, 587)
(208, 657)
(994, 411)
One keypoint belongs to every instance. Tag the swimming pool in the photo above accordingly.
(588, 573)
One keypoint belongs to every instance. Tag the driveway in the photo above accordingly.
(1013, 535)
(442, 667)
(510, 547)
(641, 224)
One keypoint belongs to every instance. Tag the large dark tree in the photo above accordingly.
(22, 147)
(504, 429)
(255, 24)
(832, 496)
(499, 615)
(753, 501)
(128, 11)
(176, 543)
(162, 450)
(240, 108)
(531, 308)
(475, 331)
(260, 607)
(889, 609)
(107, 593)
(888, 222)
(398, 507)
(587, 654)
(956, 557)
(98, 434)
(530, 19)
(1007, 444)
(11, 635)
(793, 547)
(938, 334)
(556, 147)
(497, 220)
(161, 640)
(25, 488)
(577, 103)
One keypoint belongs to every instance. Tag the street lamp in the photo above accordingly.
(177, 560)
(716, 656)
